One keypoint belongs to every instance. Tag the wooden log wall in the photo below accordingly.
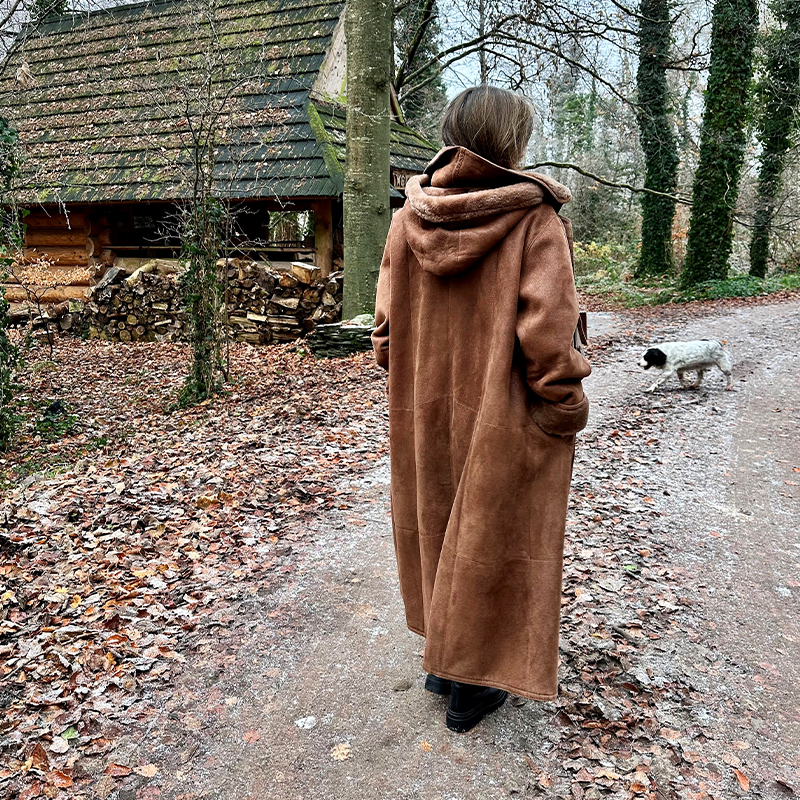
(75, 244)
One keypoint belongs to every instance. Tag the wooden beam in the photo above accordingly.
(72, 256)
(58, 237)
(323, 236)
(16, 294)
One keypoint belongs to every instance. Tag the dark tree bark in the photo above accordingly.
(368, 30)
(657, 138)
(722, 140)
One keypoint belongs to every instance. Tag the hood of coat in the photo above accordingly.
(463, 206)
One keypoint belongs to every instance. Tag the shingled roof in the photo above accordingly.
(116, 94)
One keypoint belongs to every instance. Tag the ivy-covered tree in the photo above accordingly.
(656, 136)
(41, 9)
(779, 92)
(722, 140)
(10, 242)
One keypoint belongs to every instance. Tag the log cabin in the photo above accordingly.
(116, 109)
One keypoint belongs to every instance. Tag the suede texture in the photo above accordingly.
(475, 316)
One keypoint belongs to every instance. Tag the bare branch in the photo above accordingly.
(607, 182)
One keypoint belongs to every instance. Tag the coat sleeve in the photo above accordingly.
(546, 319)
(380, 336)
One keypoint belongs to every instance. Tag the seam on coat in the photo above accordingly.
(430, 400)
(542, 232)
(510, 561)
(528, 659)
(465, 405)
(420, 533)
(453, 486)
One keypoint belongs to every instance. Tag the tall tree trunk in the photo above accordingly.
(780, 90)
(722, 140)
(657, 138)
(368, 31)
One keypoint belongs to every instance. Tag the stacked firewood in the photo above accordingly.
(263, 304)
(144, 306)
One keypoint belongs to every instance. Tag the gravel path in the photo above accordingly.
(322, 695)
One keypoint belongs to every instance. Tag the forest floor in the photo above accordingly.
(203, 603)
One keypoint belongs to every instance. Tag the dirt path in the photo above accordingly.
(699, 484)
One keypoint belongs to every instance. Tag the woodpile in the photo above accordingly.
(148, 310)
(263, 304)
(54, 318)
(343, 338)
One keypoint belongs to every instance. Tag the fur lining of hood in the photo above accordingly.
(437, 204)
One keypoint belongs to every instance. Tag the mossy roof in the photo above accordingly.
(120, 97)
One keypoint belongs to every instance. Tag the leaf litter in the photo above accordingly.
(137, 533)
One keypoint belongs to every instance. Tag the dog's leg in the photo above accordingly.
(724, 363)
(661, 381)
(699, 381)
(682, 378)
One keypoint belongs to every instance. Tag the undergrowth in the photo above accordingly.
(607, 271)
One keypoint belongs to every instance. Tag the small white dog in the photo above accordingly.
(677, 358)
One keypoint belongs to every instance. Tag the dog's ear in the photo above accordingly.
(655, 357)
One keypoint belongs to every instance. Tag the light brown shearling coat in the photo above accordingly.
(485, 398)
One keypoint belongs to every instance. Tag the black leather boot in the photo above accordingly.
(437, 685)
(470, 704)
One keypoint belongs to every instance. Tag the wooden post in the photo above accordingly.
(323, 236)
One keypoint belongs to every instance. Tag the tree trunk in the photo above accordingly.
(779, 90)
(366, 185)
(657, 138)
(722, 141)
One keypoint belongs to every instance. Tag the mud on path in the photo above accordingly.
(681, 632)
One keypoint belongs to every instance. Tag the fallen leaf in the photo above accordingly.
(545, 781)
(39, 758)
(341, 751)
(251, 736)
(146, 770)
(117, 770)
(34, 790)
(426, 747)
(744, 781)
(59, 745)
(60, 779)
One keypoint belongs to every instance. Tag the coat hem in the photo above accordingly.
(451, 676)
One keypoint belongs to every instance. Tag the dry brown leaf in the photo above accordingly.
(744, 781)
(60, 779)
(251, 736)
(39, 758)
